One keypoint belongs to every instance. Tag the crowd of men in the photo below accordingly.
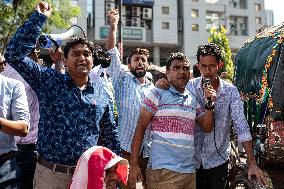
(174, 135)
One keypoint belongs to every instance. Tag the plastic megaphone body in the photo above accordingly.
(54, 41)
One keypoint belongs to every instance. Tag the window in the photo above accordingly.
(243, 25)
(257, 7)
(238, 25)
(90, 14)
(165, 10)
(194, 13)
(194, 27)
(165, 25)
(213, 19)
(258, 20)
(243, 4)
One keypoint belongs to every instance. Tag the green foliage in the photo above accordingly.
(219, 37)
(12, 17)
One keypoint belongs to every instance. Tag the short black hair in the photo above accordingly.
(138, 51)
(209, 49)
(195, 71)
(175, 56)
(75, 41)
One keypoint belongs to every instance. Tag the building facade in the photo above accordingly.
(166, 26)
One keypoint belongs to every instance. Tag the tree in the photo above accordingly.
(14, 15)
(219, 37)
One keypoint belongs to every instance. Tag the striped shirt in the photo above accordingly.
(172, 129)
(129, 94)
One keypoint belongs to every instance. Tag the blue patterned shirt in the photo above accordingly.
(71, 120)
(228, 109)
(129, 94)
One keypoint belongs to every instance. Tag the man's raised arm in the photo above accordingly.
(115, 67)
(23, 42)
(113, 18)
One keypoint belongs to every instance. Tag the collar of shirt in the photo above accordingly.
(173, 90)
(148, 83)
(70, 81)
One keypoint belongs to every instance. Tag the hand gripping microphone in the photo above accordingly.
(209, 105)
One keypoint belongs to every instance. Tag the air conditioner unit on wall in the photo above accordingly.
(136, 22)
(136, 11)
(109, 6)
(147, 14)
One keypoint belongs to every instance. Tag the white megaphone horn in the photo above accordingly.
(48, 41)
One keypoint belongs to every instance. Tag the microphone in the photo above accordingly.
(209, 104)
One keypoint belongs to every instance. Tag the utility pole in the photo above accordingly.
(120, 29)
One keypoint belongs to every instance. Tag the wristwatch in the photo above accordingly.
(209, 107)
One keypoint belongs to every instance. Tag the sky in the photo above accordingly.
(277, 7)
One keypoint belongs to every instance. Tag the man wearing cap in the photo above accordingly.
(14, 121)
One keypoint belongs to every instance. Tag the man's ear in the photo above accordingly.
(197, 66)
(221, 65)
(129, 66)
(64, 62)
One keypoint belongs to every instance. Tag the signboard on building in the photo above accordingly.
(139, 2)
(129, 33)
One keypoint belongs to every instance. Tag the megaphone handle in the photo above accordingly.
(54, 42)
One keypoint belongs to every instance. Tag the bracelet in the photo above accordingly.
(209, 107)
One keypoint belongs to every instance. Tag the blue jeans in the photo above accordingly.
(9, 175)
(26, 157)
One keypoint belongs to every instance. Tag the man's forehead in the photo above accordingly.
(80, 47)
(139, 55)
(81, 51)
(177, 62)
(208, 57)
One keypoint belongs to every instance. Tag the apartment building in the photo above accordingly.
(165, 26)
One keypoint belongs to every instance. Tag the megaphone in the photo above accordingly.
(54, 41)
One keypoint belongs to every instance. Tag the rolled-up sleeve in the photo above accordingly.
(115, 67)
(237, 114)
(19, 106)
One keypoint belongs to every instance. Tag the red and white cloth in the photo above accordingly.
(90, 169)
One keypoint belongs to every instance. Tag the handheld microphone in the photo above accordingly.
(207, 82)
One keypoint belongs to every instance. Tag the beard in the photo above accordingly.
(139, 74)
